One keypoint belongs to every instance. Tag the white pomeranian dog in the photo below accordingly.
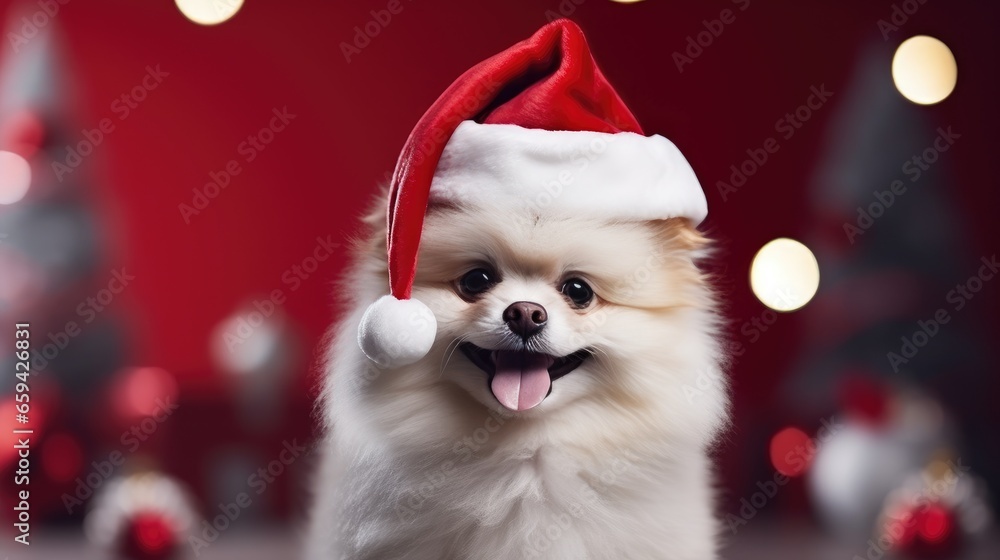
(603, 450)
(544, 379)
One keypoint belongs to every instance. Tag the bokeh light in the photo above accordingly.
(784, 275)
(144, 391)
(924, 70)
(22, 133)
(15, 177)
(247, 343)
(791, 451)
(9, 422)
(209, 12)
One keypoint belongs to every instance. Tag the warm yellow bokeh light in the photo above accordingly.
(924, 70)
(209, 12)
(784, 275)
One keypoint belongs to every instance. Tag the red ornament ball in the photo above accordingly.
(149, 536)
(925, 530)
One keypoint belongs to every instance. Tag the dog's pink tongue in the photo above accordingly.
(522, 379)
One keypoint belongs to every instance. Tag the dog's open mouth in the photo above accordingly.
(520, 379)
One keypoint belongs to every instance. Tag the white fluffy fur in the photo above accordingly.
(422, 462)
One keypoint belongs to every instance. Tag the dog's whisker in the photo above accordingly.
(454, 344)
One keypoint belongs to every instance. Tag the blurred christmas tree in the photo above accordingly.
(55, 274)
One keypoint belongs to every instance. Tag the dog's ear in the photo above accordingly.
(375, 217)
(370, 240)
(680, 233)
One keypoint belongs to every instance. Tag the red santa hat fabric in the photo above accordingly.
(504, 130)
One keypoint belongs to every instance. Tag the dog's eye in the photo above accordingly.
(477, 281)
(578, 291)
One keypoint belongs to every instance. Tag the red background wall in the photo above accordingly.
(351, 119)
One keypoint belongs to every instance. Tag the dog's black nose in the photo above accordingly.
(525, 318)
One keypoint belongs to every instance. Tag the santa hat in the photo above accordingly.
(503, 132)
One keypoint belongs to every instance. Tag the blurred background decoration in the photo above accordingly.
(179, 181)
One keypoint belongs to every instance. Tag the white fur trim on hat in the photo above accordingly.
(623, 176)
(396, 332)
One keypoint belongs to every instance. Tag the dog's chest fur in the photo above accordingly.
(544, 503)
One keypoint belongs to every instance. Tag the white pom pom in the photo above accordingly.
(396, 332)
